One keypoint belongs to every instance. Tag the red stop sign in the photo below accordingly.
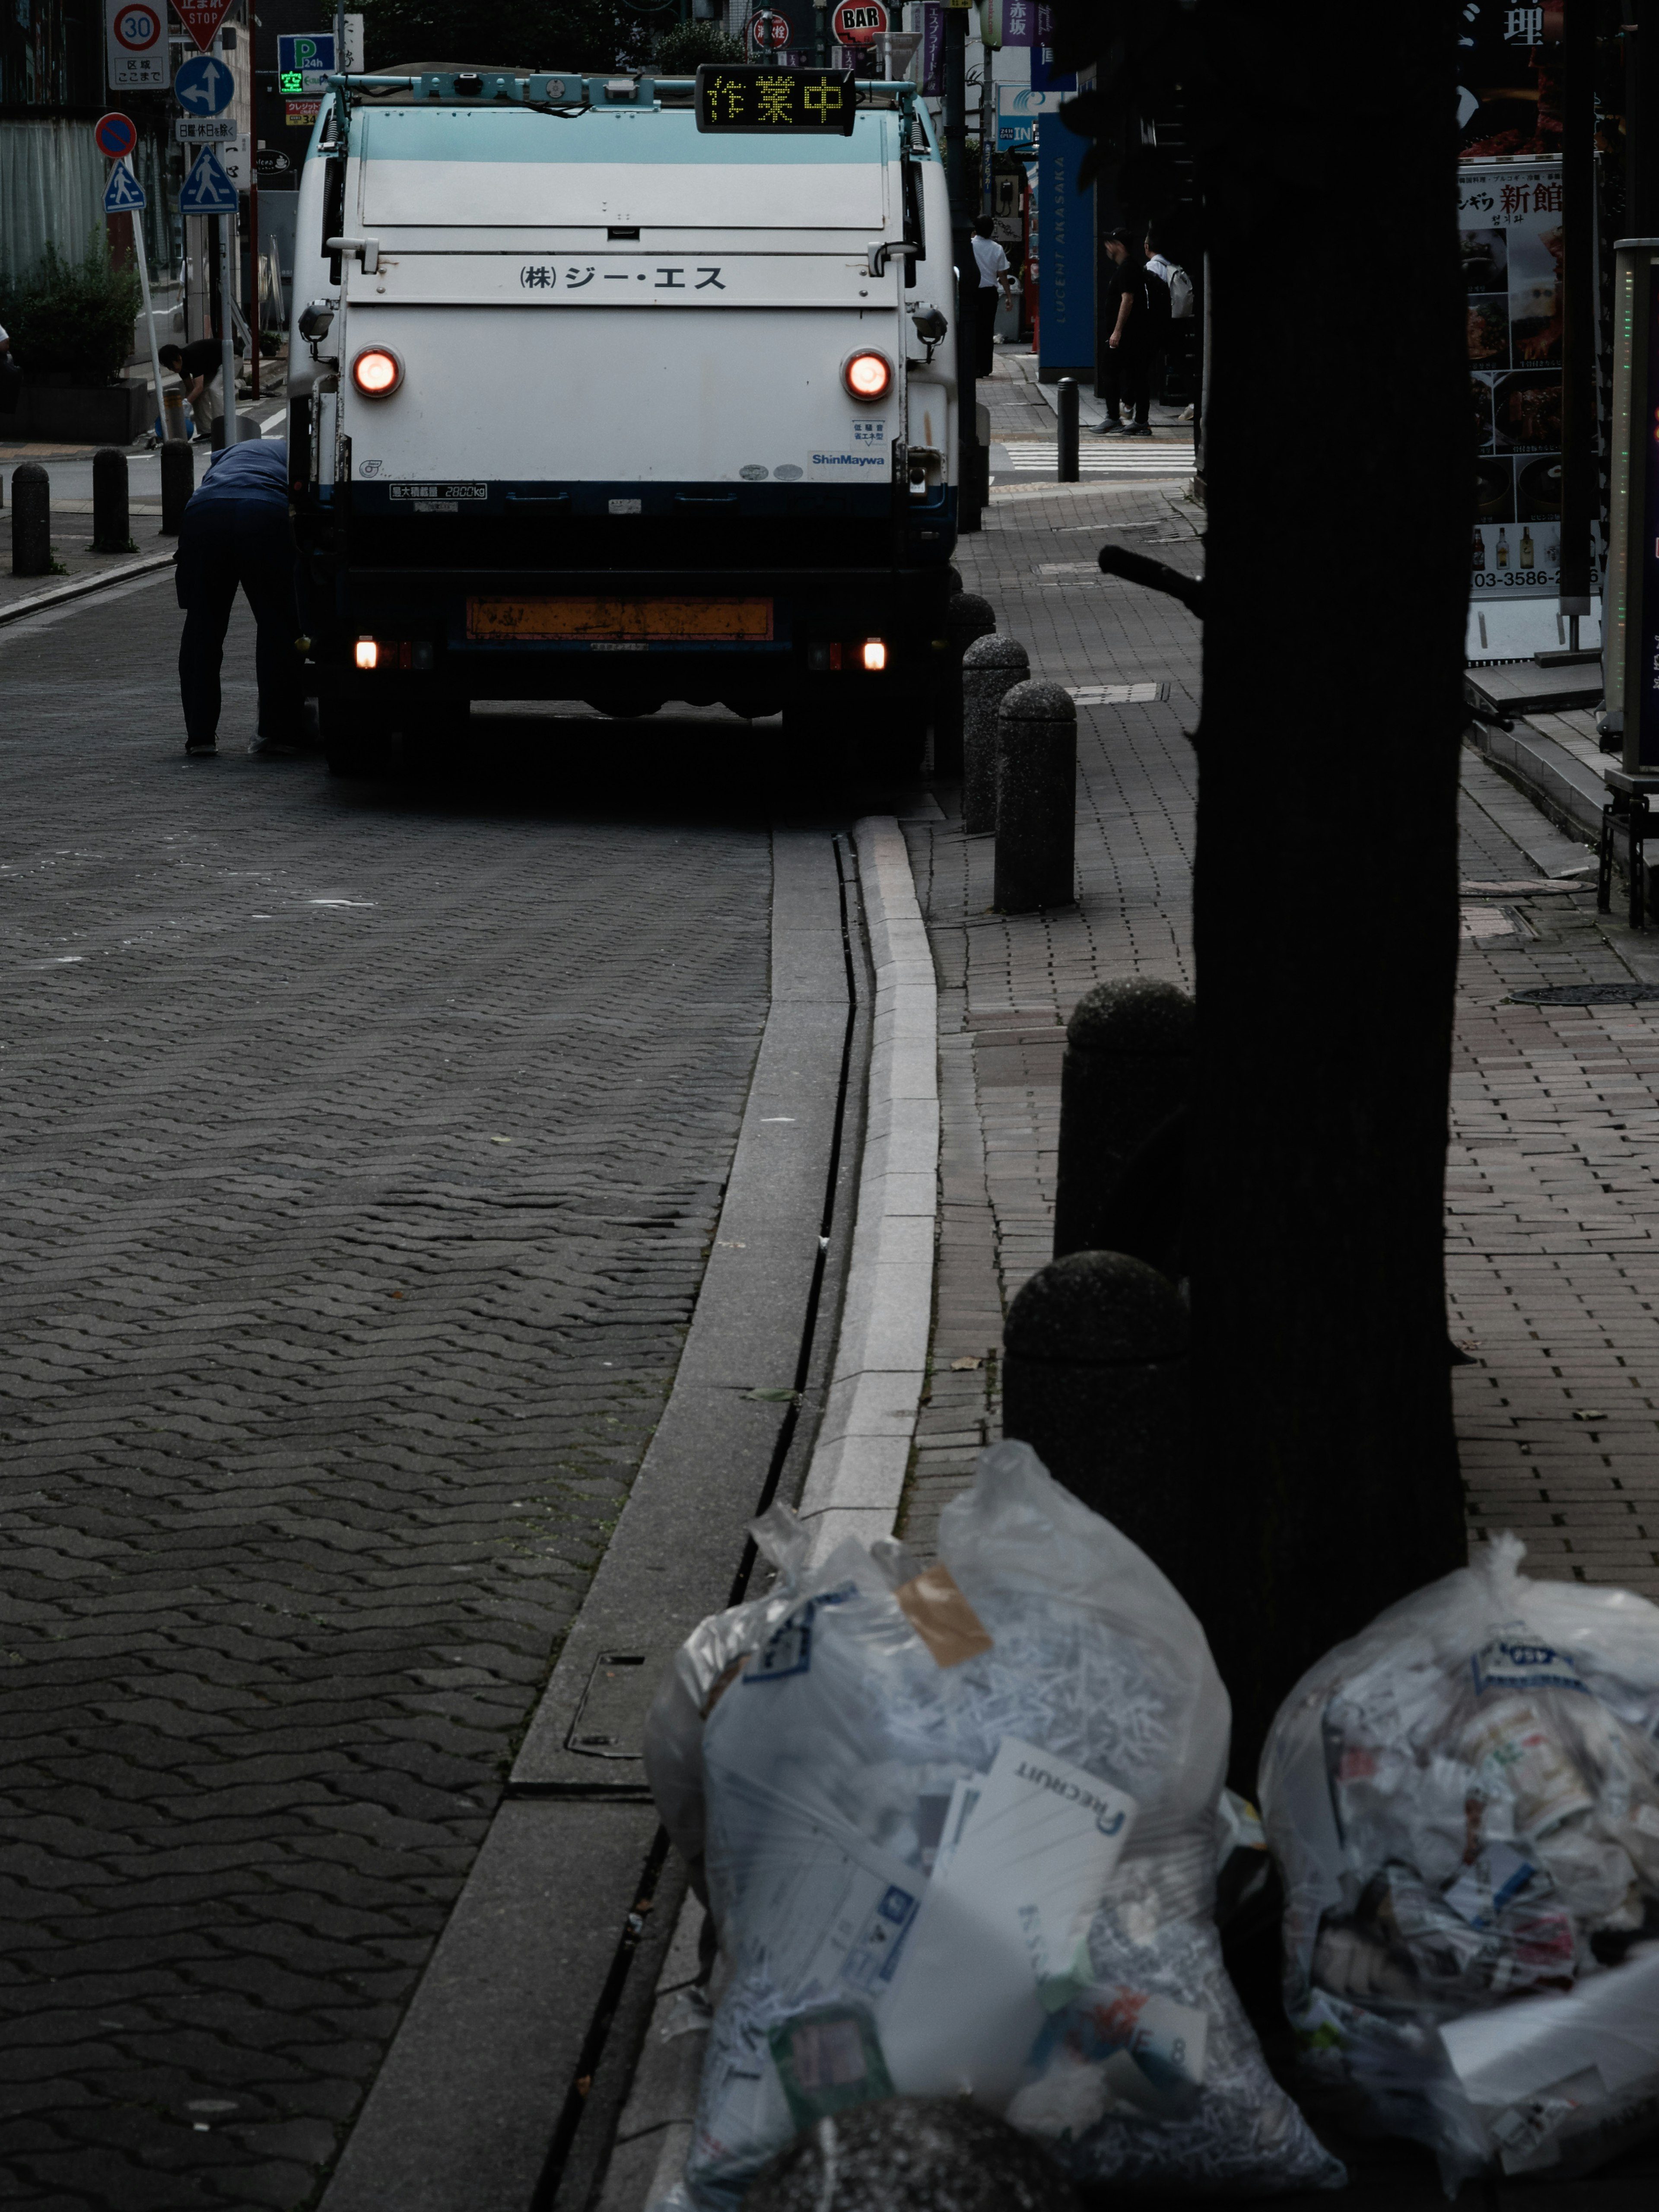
(856, 22)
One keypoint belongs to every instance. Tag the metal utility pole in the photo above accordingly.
(1579, 461)
(962, 244)
(1641, 82)
(227, 326)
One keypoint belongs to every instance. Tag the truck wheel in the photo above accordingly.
(889, 748)
(435, 737)
(356, 743)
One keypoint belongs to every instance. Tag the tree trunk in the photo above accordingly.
(1338, 467)
(1339, 499)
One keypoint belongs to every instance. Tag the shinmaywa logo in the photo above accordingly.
(849, 460)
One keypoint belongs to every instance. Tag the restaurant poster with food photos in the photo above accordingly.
(1510, 224)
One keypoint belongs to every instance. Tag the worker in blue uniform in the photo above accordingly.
(236, 531)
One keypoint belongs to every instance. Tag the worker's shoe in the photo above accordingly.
(1104, 427)
(1136, 430)
(273, 748)
(200, 749)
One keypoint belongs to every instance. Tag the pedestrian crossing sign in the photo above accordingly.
(207, 189)
(124, 194)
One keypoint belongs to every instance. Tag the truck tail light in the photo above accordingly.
(873, 652)
(413, 653)
(868, 375)
(377, 371)
(368, 652)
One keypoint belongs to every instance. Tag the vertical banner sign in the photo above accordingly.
(1066, 273)
(932, 50)
(136, 45)
(1510, 220)
(1646, 748)
(1019, 23)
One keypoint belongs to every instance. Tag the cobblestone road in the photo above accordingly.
(361, 1154)
(1552, 1177)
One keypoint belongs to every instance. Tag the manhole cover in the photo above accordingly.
(1587, 994)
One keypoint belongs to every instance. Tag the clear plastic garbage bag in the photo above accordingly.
(959, 1831)
(1464, 1804)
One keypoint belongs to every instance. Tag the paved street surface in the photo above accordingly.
(363, 1150)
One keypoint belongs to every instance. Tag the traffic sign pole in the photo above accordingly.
(149, 319)
(227, 328)
(226, 350)
(255, 321)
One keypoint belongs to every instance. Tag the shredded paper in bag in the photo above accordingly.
(1464, 1800)
(962, 1836)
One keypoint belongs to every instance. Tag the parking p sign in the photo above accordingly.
(304, 62)
(136, 44)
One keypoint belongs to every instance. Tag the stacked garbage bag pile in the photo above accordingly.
(1465, 1803)
(959, 1831)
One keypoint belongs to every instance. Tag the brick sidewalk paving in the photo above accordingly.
(1553, 1194)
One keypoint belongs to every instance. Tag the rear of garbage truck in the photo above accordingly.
(595, 397)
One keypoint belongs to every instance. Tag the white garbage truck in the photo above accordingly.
(625, 390)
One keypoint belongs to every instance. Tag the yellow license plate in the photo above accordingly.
(619, 622)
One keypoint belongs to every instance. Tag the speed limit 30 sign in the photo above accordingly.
(136, 44)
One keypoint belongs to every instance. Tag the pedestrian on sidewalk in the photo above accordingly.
(995, 283)
(196, 366)
(236, 531)
(1128, 368)
(11, 375)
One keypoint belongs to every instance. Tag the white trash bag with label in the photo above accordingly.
(958, 1832)
(1464, 1803)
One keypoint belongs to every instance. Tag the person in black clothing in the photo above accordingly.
(1128, 368)
(236, 531)
(196, 366)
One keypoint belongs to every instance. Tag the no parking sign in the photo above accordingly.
(115, 136)
(136, 44)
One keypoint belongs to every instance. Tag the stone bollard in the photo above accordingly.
(911, 2154)
(1128, 1065)
(110, 533)
(1067, 470)
(966, 617)
(1036, 799)
(31, 520)
(177, 483)
(1096, 1380)
(990, 667)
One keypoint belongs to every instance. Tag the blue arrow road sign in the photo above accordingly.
(208, 189)
(124, 193)
(203, 86)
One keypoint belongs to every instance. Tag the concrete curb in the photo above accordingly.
(1559, 785)
(41, 602)
(856, 1478)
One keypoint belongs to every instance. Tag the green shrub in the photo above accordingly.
(72, 316)
(681, 51)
